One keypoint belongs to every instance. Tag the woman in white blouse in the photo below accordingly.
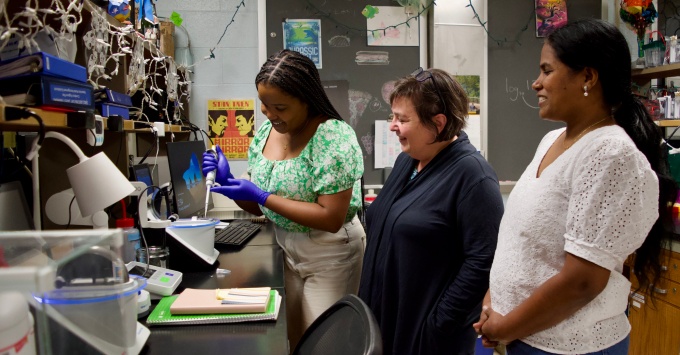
(595, 192)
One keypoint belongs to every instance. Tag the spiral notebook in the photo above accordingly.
(161, 314)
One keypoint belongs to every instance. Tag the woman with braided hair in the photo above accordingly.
(305, 166)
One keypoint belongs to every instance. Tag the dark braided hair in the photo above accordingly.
(599, 45)
(296, 75)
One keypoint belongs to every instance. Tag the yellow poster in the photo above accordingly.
(232, 126)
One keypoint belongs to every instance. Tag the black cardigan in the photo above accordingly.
(430, 244)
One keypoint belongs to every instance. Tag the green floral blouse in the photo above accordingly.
(330, 163)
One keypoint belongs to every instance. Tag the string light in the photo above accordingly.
(212, 50)
(361, 31)
(500, 42)
(24, 25)
(242, 3)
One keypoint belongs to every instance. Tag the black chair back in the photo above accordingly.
(348, 327)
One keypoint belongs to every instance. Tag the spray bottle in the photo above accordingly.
(130, 236)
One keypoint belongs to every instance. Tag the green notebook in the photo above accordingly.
(161, 314)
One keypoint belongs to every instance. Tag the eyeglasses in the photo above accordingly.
(422, 75)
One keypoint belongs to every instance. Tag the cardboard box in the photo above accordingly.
(167, 39)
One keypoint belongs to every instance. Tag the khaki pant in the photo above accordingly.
(320, 268)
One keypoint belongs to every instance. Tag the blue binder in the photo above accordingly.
(113, 97)
(42, 63)
(108, 110)
(45, 90)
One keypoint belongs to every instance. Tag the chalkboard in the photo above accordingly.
(340, 20)
(514, 127)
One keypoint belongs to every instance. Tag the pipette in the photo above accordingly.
(209, 181)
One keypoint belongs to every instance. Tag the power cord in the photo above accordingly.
(17, 113)
(68, 225)
(139, 223)
(155, 136)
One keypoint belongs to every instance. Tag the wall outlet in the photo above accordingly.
(161, 128)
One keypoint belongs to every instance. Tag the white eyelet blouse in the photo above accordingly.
(598, 201)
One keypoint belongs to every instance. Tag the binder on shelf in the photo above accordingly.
(106, 95)
(107, 110)
(161, 315)
(42, 63)
(48, 91)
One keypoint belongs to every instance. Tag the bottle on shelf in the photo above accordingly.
(131, 239)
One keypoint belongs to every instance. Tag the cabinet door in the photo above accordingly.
(654, 328)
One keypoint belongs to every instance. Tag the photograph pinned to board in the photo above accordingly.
(232, 126)
(303, 36)
(388, 27)
(550, 15)
(386, 146)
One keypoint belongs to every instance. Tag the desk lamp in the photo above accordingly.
(96, 184)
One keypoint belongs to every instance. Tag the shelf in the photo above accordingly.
(54, 120)
(668, 123)
(140, 126)
(661, 71)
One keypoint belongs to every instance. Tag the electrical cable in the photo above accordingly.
(155, 160)
(93, 135)
(671, 136)
(194, 128)
(207, 136)
(139, 223)
(69, 212)
(120, 148)
(146, 155)
(16, 113)
(13, 156)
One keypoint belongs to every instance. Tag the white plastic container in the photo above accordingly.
(108, 312)
(17, 335)
(199, 233)
(131, 243)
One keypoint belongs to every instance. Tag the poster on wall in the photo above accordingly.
(387, 26)
(387, 146)
(550, 15)
(303, 36)
(232, 126)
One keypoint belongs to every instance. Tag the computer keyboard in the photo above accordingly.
(236, 233)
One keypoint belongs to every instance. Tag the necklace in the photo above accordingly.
(582, 133)
(285, 145)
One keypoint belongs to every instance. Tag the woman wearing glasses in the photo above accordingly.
(432, 229)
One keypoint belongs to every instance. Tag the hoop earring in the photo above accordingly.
(585, 90)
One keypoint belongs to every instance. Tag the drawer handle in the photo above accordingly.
(660, 290)
(664, 268)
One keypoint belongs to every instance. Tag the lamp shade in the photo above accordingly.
(97, 183)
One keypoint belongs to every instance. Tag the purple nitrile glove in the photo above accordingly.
(210, 162)
(240, 189)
